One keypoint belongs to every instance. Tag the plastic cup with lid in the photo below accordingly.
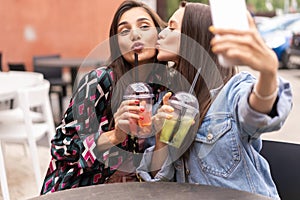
(186, 108)
(142, 92)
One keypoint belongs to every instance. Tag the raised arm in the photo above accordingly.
(248, 48)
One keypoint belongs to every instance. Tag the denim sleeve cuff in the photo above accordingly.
(255, 123)
(166, 173)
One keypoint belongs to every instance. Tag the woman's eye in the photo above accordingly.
(124, 32)
(144, 27)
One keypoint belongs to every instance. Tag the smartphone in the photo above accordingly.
(229, 14)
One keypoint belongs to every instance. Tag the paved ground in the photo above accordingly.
(290, 132)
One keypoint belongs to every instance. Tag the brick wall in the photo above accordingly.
(36, 27)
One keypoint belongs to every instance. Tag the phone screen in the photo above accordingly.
(231, 14)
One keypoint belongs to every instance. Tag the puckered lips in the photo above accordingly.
(137, 47)
(157, 45)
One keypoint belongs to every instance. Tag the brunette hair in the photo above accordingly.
(196, 54)
(119, 64)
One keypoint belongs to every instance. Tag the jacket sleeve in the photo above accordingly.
(166, 173)
(253, 123)
(84, 121)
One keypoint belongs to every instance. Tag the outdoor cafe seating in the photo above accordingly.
(58, 85)
(19, 122)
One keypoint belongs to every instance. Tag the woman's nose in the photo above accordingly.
(135, 35)
(162, 34)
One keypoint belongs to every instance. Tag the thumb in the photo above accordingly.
(166, 98)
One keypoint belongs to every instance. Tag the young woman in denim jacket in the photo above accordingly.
(235, 108)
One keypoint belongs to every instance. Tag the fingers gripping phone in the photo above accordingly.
(229, 14)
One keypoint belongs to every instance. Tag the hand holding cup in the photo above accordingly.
(177, 123)
(140, 124)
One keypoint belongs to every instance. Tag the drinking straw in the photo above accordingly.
(132, 137)
(136, 62)
(183, 110)
(195, 80)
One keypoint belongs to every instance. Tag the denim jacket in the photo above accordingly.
(225, 150)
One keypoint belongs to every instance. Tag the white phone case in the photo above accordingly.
(229, 14)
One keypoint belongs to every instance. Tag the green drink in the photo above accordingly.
(183, 129)
(185, 110)
(167, 130)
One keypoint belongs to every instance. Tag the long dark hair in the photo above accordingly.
(118, 63)
(195, 53)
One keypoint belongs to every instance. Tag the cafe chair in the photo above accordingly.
(54, 74)
(16, 66)
(3, 180)
(1, 62)
(284, 160)
(20, 129)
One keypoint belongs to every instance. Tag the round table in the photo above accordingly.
(145, 191)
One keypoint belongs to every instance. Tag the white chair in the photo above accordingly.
(4, 187)
(16, 127)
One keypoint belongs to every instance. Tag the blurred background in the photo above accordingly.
(73, 28)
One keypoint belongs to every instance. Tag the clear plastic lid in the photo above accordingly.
(138, 90)
(186, 100)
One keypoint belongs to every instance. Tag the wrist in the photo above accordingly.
(271, 69)
(118, 137)
(270, 63)
(108, 139)
(269, 74)
(159, 144)
(265, 97)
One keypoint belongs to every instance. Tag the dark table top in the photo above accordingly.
(156, 190)
(68, 62)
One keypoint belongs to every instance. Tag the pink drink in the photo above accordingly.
(142, 92)
(147, 119)
(146, 114)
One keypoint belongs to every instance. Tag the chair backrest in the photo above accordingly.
(284, 160)
(16, 66)
(1, 62)
(49, 72)
(37, 96)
